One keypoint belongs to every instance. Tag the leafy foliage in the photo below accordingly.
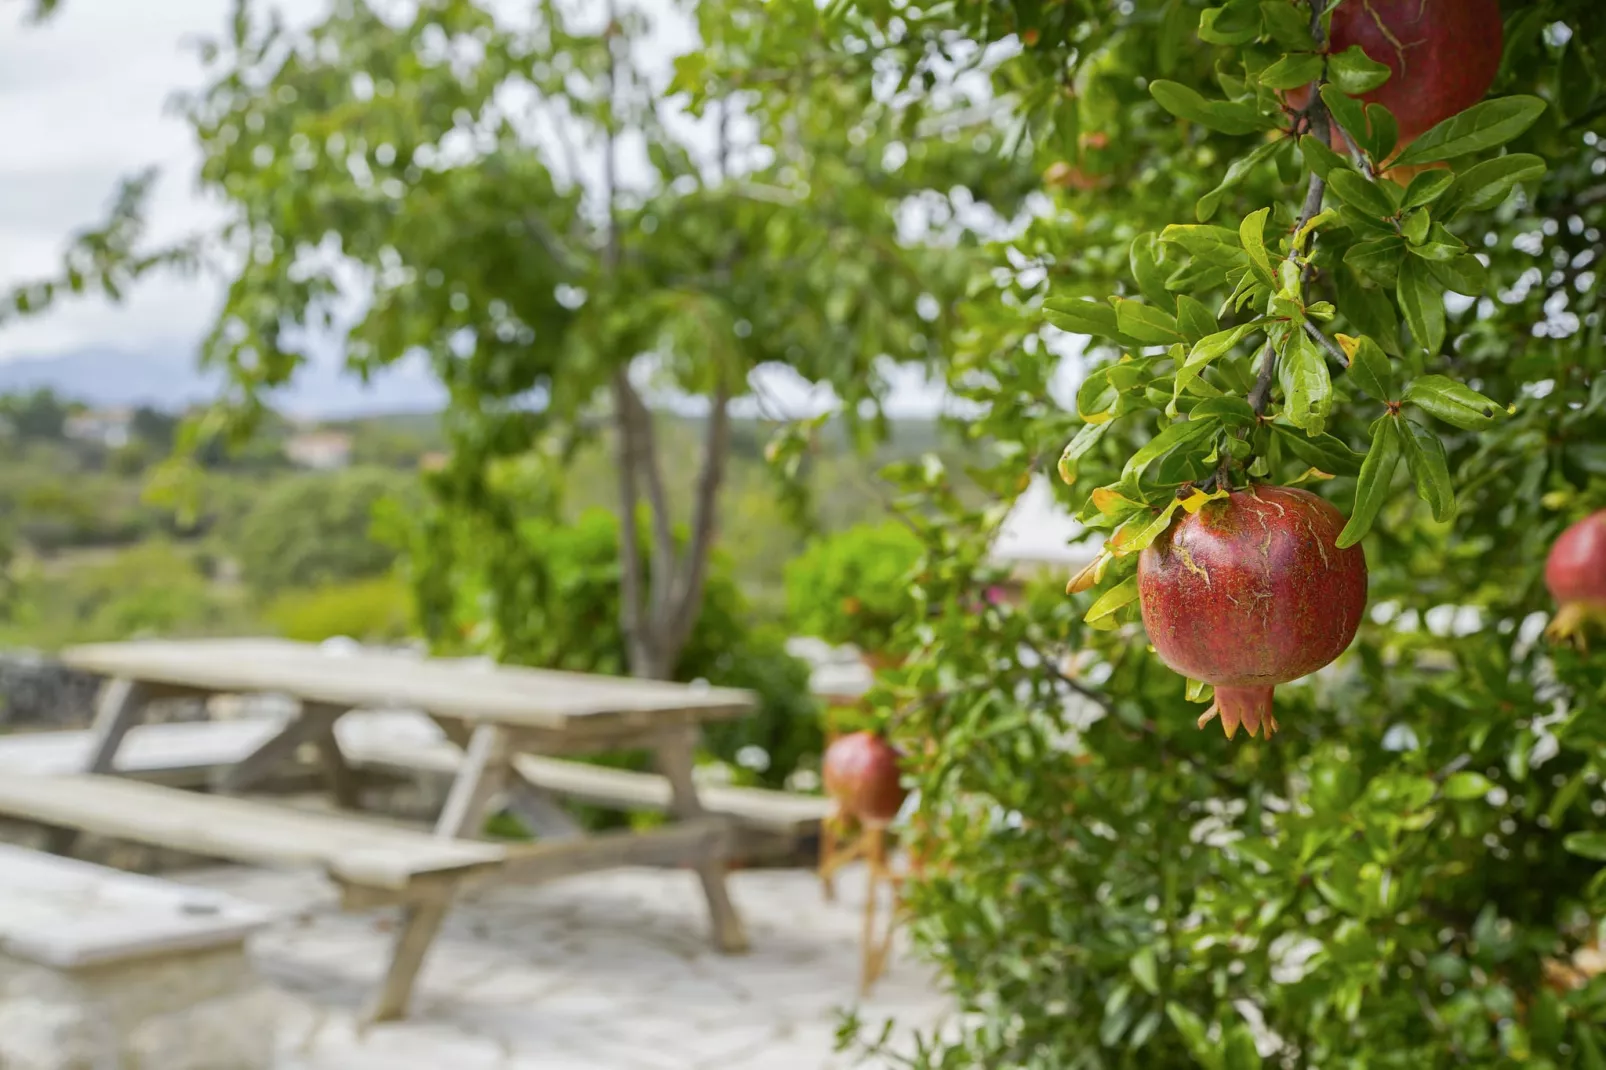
(1403, 878)
(852, 586)
(315, 529)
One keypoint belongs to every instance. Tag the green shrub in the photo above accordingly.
(550, 598)
(372, 610)
(853, 586)
(316, 529)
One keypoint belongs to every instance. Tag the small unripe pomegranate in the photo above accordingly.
(1251, 592)
(861, 773)
(1442, 56)
(1575, 572)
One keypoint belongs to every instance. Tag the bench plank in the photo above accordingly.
(69, 914)
(349, 850)
(772, 810)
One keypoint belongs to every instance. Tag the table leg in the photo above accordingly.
(312, 724)
(420, 922)
(118, 708)
(543, 814)
(479, 778)
(340, 778)
(675, 756)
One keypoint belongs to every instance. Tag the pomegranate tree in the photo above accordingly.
(862, 775)
(1575, 572)
(1251, 592)
(1442, 56)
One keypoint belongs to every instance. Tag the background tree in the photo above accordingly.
(463, 183)
(1404, 876)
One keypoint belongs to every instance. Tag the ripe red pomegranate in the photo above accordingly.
(861, 774)
(1249, 593)
(1442, 56)
(1575, 572)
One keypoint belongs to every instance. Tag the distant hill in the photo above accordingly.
(169, 379)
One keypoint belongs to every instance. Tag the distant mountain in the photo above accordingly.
(169, 379)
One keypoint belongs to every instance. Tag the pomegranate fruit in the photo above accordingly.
(1442, 56)
(1575, 572)
(861, 774)
(1251, 592)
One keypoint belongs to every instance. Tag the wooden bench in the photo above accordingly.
(103, 968)
(780, 816)
(373, 865)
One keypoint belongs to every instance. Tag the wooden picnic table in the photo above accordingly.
(494, 714)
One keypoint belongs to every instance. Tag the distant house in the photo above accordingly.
(319, 450)
(103, 427)
(433, 461)
(1041, 535)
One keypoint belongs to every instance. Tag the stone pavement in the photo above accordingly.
(604, 972)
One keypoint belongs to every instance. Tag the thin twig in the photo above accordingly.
(1320, 337)
(1260, 396)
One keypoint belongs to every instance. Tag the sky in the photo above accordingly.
(85, 100)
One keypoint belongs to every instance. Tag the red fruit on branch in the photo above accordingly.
(1575, 572)
(1251, 592)
(1442, 56)
(861, 773)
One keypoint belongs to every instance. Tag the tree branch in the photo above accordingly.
(1319, 126)
(688, 599)
(1333, 349)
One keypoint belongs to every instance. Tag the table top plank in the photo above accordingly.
(470, 691)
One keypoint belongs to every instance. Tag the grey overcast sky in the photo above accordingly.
(84, 101)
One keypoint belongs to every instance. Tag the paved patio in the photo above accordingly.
(606, 972)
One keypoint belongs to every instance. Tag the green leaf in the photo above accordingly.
(1422, 303)
(1382, 132)
(1372, 488)
(1241, 1051)
(1463, 786)
(1082, 317)
(1369, 309)
(1226, 116)
(1369, 369)
(1147, 324)
(1145, 262)
(1483, 126)
(1288, 25)
(1464, 274)
(1195, 1036)
(1215, 245)
(1113, 601)
(1437, 244)
(1414, 227)
(1348, 111)
(1174, 437)
(1483, 186)
(1230, 24)
(1430, 469)
(1426, 188)
(1354, 72)
(1455, 403)
(1078, 447)
(1252, 232)
(1236, 172)
(1591, 845)
(1231, 410)
(1360, 194)
(1195, 320)
(1143, 965)
(1324, 452)
(1307, 386)
(1378, 261)
(1292, 71)
(1321, 159)
(1096, 396)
